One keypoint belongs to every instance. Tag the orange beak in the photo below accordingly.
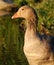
(16, 15)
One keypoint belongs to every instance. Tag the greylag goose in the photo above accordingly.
(36, 47)
(6, 7)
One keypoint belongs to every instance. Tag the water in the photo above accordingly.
(9, 1)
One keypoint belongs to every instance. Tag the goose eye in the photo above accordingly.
(22, 9)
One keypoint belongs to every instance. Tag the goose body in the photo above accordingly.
(36, 47)
(6, 7)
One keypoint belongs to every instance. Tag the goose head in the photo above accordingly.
(25, 12)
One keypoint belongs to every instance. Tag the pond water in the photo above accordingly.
(9, 1)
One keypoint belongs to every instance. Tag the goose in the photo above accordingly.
(6, 6)
(36, 46)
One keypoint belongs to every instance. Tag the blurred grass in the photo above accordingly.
(11, 36)
(11, 42)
